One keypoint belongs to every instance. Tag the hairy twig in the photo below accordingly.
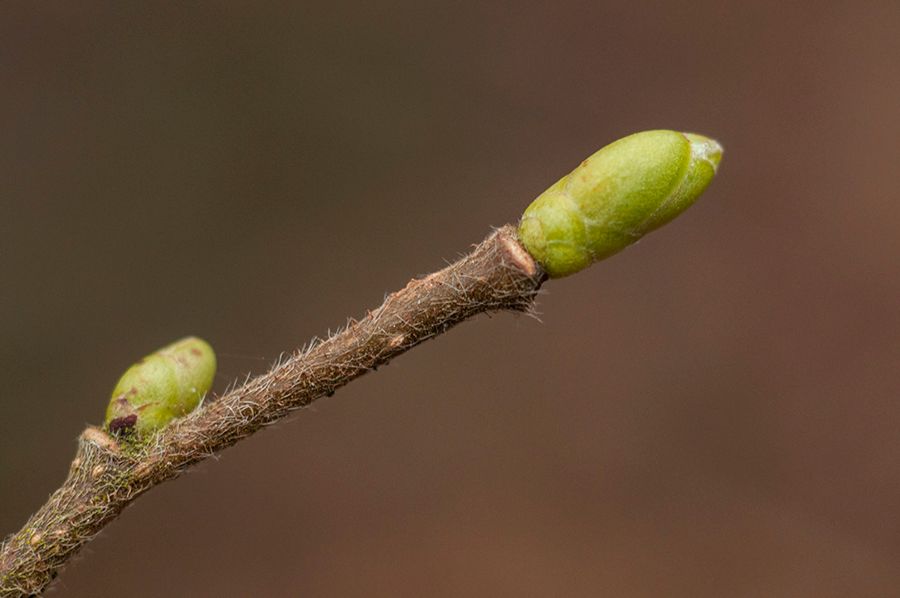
(108, 474)
(610, 200)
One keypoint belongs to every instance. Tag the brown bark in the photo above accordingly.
(106, 474)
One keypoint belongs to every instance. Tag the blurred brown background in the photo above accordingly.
(711, 413)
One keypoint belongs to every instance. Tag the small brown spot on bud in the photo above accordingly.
(123, 425)
(36, 539)
(98, 471)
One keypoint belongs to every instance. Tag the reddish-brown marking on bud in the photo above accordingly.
(123, 425)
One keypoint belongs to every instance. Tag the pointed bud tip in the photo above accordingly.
(705, 148)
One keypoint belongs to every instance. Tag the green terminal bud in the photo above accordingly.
(622, 192)
(162, 386)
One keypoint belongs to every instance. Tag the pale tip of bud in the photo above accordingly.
(706, 149)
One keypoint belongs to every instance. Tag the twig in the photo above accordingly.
(107, 475)
(612, 199)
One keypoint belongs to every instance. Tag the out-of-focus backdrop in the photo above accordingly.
(713, 412)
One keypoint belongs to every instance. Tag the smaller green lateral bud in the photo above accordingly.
(625, 190)
(162, 386)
